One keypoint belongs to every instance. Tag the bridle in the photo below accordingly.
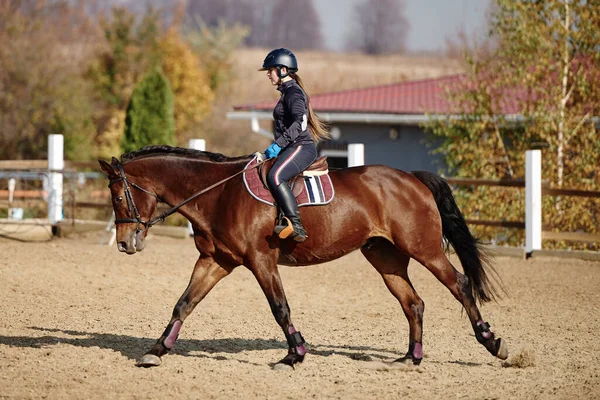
(133, 210)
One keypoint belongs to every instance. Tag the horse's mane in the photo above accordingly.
(164, 150)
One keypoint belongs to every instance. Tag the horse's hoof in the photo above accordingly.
(283, 367)
(408, 360)
(149, 360)
(502, 349)
(403, 360)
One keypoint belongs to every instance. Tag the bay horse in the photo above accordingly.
(390, 215)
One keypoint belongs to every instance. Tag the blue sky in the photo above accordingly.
(431, 21)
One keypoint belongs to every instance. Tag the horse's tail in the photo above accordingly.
(469, 249)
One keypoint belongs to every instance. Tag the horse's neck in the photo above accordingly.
(180, 178)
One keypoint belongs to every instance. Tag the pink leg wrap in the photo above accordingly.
(418, 351)
(487, 334)
(173, 335)
(300, 350)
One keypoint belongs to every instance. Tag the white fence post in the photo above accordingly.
(356, 154)
(533, 201)
(56, 164)
(198, 144)
(12, 183)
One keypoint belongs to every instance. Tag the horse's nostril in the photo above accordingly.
(122, 246)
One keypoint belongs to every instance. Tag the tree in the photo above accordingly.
(43, 53)
(189, 81)
(295, 24)
(254, 15)
(150, 114)
(379, 26)
(215, 47)
(545, 65)
(130, 49)
(552, 49)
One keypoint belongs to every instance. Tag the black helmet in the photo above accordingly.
(280, 58)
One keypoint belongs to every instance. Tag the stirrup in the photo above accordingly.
(284, 229)
(287, 230)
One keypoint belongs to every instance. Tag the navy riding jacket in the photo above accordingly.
(291, 116)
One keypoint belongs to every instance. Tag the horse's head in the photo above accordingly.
(133, 205)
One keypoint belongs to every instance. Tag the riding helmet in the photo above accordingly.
(280, 58)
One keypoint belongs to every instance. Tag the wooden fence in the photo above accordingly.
(23, 198)
(546, 191)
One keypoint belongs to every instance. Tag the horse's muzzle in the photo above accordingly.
(139, 241)
(134, 244)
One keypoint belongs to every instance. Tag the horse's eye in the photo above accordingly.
(119, 199)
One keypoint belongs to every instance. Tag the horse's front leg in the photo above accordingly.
(266, 273)
(205, 276)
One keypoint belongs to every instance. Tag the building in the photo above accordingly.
(386, 119)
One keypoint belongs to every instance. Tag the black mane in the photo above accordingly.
(164, 150)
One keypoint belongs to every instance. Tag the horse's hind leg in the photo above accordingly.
(206, 274)
(392, 265)
(435, 260)
(265, 270)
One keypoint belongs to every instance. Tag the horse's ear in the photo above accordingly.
(114, 161)
(107, 168)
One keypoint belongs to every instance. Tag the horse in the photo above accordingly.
(390, 215)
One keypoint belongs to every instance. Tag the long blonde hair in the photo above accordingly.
(318, 128)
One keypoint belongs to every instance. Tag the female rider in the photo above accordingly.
(297, 129)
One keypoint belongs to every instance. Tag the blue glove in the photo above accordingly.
(272, 150)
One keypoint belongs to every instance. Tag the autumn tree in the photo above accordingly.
(130, 49)
(150, 114)
(539, 86)
(70, 67)
(190, 83)
(215, 47)
(551, 48)
(378, 27)
(44, 49)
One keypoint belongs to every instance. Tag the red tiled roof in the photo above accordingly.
(409, 97)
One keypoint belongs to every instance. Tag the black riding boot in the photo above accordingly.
(288, 204)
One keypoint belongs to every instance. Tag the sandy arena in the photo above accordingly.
(75, 316)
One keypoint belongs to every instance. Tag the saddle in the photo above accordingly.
(311, 187)
(317, 168)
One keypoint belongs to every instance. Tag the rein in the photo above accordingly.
(161, 218)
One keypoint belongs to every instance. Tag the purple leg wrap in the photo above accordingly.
(418, 351)
(300, 350)
(173, 335)
(485, 334)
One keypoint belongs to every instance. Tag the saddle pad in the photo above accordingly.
(317, 190)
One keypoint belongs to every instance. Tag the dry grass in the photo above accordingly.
(327, 71)
(321, 72)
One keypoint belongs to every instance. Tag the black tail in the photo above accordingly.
(468, 248)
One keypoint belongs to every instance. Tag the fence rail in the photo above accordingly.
(547, 190)
(23, 194)
(486, 182)
(25, 197)
(520, 183)
(28, 165)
